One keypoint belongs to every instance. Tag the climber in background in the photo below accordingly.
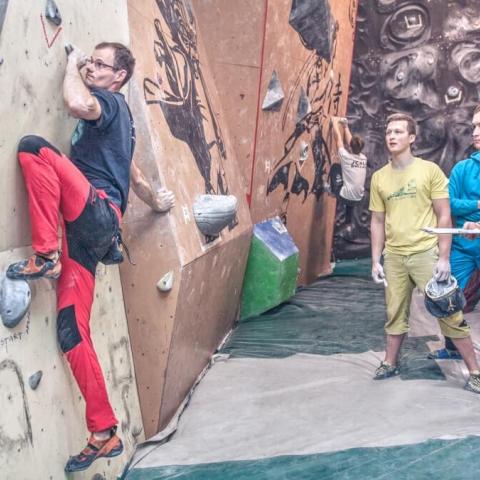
(353, 165)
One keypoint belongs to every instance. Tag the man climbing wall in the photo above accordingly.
(90, 190)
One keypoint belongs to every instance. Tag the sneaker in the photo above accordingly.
(473, 383)
(444, 354)
(111, 447)
(35, 267)
(385, 371)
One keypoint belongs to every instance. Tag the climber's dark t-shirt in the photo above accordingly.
(102, 149)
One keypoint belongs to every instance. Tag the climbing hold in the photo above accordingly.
(15, 297)
(313, 21)
(303, 152)
(304, 107)
(3, 11)
(52, 13)
(274, 97)
(214, 212)
(98, 476)
(166, 282)
(34, 379)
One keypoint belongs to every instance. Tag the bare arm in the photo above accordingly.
(77, 97)
(441, 207)
(160, 201)
(377, 232)
(348, 134)
(338, 134)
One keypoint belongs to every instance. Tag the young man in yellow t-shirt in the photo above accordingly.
(405, 195)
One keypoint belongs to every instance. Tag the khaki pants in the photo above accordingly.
(404, 273)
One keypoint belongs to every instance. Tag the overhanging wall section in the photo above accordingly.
(186, 148)
(285, 159)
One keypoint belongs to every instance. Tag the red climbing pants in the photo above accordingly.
(55, 185)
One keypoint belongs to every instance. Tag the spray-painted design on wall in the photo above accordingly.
(420, 57)
(17, 432)
(318, 90)
(180, 89)
(122, 376)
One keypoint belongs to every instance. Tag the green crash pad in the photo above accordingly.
(272, 269)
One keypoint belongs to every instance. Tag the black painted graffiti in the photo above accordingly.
(420, 57)
(122, 375)
(352, 10)
(180, 89)
(17, 433)
(120, 362)
(323, 89)
(127, 421)
(15, 336)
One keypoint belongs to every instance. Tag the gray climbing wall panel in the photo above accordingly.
(420, 57)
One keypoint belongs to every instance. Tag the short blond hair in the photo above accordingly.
(411, 122)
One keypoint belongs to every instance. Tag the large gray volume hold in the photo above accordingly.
(214, 212)
(15, 297)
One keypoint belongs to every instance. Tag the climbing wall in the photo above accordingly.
(419, 57)
(41, 425)
(184, 146)
(286, 149)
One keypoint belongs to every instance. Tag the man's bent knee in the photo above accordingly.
(454, 326)
(33, 144)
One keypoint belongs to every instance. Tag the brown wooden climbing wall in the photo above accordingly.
(184, 145)
(270, 143)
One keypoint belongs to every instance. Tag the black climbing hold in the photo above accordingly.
(274, 97)
(98, 476)
(52, 13)
(214, 212)
(304, 106)
(313, 21)
(34, 379)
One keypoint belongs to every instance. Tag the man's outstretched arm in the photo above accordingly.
(160, 201)
(77, 97)
(337, 132)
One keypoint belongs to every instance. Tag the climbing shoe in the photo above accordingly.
(385, 371)
(444, 354)
(111, 447)
(36, 266)
(473, 383)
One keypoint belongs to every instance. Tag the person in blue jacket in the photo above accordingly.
(464, 190)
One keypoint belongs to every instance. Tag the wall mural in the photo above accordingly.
(180, 89)
(315, 95)
(420, 57)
